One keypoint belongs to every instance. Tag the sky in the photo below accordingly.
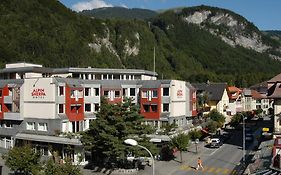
(265, 14)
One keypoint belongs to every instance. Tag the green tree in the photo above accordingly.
(213, 126)
(169, 127)
(217, 117)
(115, 123)
(180, 142)
(195, 134)
(23, 160)
(235, 120)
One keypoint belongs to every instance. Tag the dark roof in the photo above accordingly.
(215, 90)
(27, 69)
(10, 81)
(274, 91)
(151, 84)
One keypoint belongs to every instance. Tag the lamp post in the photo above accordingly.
(243, 151)
(133, 142)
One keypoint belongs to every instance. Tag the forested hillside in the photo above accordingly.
(120, 13)
(46, 32)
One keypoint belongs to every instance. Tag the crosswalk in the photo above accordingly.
(208, 170)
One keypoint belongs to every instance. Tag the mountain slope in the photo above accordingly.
(274, 34)
(46, 32)
(119, 13)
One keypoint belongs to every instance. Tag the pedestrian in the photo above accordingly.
(199, 164)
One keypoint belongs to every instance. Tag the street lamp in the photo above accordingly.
(133, 142)
(243, 153)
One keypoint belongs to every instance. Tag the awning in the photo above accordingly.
(49, 139)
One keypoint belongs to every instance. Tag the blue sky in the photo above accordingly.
(265, 14)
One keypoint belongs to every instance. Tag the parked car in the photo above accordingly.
(215, 143)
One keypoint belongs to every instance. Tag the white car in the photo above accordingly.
(215, 143)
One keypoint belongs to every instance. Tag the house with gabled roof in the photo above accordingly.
(216, 95)
(235, 104)
(274, 92)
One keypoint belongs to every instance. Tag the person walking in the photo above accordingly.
(199, 164)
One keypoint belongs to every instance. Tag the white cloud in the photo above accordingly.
(123, 5)
(89, 5)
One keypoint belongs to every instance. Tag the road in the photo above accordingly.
(226, 160)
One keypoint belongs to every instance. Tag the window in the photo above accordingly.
(132, 91)
(125, 90)
(88, 107)
(117, 94)
(75, 108)
(30, 125)
(110, 77)
(42, 149)
(0, 92)
(96, 107)
(72, 93)
(1, 124)
(146, 108)
(87, 92)
(97, 92)
(42, 127)
(154, 108)
(8, 106)
(0, 107)
(106, 93)
(144, 94)
(154, 94)
(61, 90)
(166, 92)
(8, 124)
(61, 108)
(165, 107)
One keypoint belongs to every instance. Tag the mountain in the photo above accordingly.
(274, 34)
(187, 48)
(120, 13)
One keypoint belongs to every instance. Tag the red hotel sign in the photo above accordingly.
(38, 93)
(179, 93)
